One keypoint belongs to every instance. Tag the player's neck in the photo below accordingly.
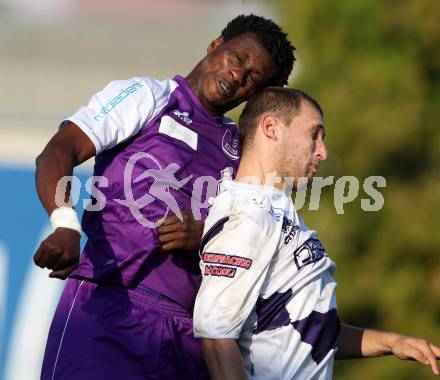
(256, 170)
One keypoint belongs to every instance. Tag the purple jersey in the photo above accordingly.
(160, 151)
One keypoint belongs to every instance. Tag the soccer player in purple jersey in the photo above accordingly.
(126, 308)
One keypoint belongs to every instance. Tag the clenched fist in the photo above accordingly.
(59, 252)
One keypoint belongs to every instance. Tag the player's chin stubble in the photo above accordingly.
(292, 164)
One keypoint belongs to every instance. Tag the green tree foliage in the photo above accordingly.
(374, 66)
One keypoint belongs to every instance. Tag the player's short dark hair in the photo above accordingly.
(271, 37)
(280, 102)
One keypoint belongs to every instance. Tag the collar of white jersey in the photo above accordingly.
(230, 184)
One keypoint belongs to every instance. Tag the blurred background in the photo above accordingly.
(375, 68)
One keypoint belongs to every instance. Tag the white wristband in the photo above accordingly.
(65, 217)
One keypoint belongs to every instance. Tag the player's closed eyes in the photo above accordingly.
(238, 58)
(252, 79)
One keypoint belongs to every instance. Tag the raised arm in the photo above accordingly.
(112, 115)
(356, 342)
(68, 148)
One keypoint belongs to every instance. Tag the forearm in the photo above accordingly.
(51, 166)
(223, 359)
(68, 148)
(356, 343)
(361, 343)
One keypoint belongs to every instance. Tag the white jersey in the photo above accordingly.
(267, 282)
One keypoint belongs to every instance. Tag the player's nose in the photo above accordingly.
(321, 150)
(238, 75)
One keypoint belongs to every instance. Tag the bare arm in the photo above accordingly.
(360, 343)
(223, 359)
(68, 148)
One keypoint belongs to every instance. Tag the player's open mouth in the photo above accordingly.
(224, 87)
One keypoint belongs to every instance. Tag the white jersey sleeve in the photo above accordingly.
(234, 264)
(121, 109)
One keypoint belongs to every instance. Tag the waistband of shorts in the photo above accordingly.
(145, 296)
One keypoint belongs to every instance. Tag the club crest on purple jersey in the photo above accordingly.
(231, 145)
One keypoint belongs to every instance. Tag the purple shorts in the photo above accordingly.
(104, 332)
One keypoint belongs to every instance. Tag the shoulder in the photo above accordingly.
(121, 109)
(141, 86)
(252, 207)
(158, 87)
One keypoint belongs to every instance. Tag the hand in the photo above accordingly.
(59, 252)
(175, 234)
(405, 347)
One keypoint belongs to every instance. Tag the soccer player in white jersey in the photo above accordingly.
(266, 308)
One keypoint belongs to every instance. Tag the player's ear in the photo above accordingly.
(269, 126)
(214, 44)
